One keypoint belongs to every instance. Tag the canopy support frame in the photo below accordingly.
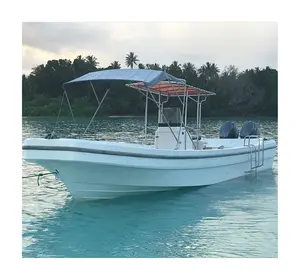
(99, 105)
(146, 116)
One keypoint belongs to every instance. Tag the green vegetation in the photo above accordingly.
(252, 92)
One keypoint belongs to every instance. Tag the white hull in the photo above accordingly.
(104, 170)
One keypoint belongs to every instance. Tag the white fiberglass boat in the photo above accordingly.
(93, 169)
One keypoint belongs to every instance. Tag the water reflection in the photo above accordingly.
(229, 219)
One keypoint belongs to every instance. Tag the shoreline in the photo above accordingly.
(155, 116)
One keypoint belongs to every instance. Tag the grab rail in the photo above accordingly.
(259, 149)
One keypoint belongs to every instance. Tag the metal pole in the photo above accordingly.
(95, 92)
(197, 126)
(100, 103)
(200, 112)
(159, 109)
(185, 117)
(62, 101)
(65, 92)
(162, 116)
(181, 123)
(146, 115)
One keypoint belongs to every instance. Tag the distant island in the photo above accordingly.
(252, 92)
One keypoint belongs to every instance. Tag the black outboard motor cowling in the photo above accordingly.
(229, 130)
(249, 128)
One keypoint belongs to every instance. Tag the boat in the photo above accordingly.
(179, 157)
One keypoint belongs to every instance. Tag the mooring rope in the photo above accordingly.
(40, 175)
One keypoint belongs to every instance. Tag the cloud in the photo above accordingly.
(56, 37)
(244, 44)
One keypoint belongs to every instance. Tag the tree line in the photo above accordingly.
(252, 92)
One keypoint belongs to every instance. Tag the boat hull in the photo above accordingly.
(104, 171)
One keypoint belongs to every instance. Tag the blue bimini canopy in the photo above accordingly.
(149, 77)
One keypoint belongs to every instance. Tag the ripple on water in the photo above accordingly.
(237, 218)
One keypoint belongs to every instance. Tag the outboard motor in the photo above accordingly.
(249, 128)
(229, 130)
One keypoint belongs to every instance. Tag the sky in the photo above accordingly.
(243, 44)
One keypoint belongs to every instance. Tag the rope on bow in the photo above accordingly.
(40, 175)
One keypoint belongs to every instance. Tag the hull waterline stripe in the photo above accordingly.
(128, 154)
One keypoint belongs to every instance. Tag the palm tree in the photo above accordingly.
(115, 65)
(131, 59)
(209, 71)
(189, 72)
(92, 60)
(175, 69)
(79, 66)
(230, 70)
(188, 69)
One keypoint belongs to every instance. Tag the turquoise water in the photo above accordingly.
(237, 218)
